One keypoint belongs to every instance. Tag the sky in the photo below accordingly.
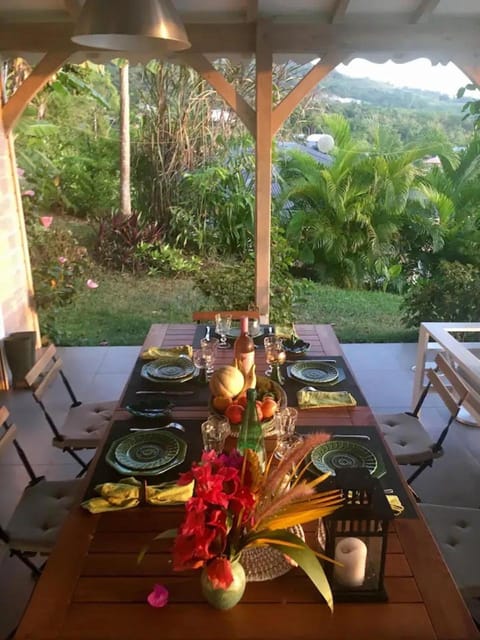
(420, 74)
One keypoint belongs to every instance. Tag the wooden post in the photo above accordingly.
(263, 169)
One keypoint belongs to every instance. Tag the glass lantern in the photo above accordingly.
(356, 537)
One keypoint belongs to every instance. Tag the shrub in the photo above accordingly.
(119, 237)
(451, 294)
(165, 260)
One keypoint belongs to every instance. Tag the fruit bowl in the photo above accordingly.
(264, 387)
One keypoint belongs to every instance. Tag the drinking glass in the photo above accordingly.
(274, 352)
(223, 322)
(214, 433)
(200, 362)
(286, 436)
(209, 352)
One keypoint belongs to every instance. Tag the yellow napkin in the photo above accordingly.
(157, 352)
(396, 505)
(320, 399)
(115, 496)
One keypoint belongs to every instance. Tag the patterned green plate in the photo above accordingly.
(314, 371)
(170, 368)
(341, 454)
(147, 453)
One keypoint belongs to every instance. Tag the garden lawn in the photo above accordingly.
(124, 306)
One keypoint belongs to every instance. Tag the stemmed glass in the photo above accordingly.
(223, 322)
(209, 351)
(287, 438)
(275, 356)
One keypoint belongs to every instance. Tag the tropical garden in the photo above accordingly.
(138, 192)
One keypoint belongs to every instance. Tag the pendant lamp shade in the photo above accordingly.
(141, 26)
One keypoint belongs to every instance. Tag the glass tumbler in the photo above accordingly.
(214, 433)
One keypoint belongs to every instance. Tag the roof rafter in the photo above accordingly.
(339, 11)
(424, 11)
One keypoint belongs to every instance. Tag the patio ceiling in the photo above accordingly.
(332, 31)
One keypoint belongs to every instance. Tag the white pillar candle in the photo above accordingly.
(352, 553)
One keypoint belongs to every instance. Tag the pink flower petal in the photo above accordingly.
(62, 260)
(46, 221)
(20, 172)
(158, 597)
(28, 192)
(91, 284)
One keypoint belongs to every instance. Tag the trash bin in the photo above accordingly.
(20, 354)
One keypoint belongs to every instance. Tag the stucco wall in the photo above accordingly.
(15, 281)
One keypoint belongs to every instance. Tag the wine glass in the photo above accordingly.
(223, 322)
(287, 438)
(275, 353)
(209, 351)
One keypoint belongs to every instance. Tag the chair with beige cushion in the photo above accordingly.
(457, 531)
(85, 424)
(41, 510)
(409, 441)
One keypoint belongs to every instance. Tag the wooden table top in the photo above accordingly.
(93, 589)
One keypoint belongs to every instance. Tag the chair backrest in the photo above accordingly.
(44, 371)
(204, 316)
(448, 384)
(7, 436)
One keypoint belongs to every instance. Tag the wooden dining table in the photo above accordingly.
(94, 588)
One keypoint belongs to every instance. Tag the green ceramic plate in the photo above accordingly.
(170, 368)
(234, 332)
(144, 374)
(146, 453)
(341, 454)
(314, 371)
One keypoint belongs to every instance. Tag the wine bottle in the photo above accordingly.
(244, 348)
(251, 432)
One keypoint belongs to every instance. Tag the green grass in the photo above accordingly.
(124, 306)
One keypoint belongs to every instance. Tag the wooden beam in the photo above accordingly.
(306, 84)
(424, 11)
(449, 37)
(473, 73)
(38, 78)
(73, 7)
(251, 10)
(241, 107)
(339, 11)
(263, 168)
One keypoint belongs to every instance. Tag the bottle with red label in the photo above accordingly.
(244, 348)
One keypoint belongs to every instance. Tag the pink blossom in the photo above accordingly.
(91, 284)
(28, 192)
(62, 260)
(20, 172)
(158, 597)
(46, 221)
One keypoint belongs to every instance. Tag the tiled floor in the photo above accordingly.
(384, 372)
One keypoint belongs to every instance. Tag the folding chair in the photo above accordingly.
(457, 530)
(205, 316)
(42, 509)
(405, 434)
(84, 425)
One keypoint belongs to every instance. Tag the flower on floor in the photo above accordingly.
(236, 505)
(158, 597)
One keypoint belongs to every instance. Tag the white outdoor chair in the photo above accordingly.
(409, 441)
(457, 531)
(43, 506)
(84, 425)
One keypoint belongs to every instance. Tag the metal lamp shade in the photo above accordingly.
(141, 26)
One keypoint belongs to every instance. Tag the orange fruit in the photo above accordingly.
(220, 403)
(259, 410)
(241, 400)
(234, 413)
(269, 407)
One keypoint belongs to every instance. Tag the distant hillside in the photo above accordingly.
(381, 94)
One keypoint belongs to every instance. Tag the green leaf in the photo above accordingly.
(168, 533)
(303, 556)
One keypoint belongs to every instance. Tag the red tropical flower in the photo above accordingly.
(220, 573)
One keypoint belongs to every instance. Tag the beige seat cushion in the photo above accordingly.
(408, 440)
(40, 513)
(457, 531)
(85, 425)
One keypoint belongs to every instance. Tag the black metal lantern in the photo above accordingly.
(356, 537)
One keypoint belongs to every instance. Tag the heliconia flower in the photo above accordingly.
(46, 221)
(28, 192)
(91, 284)
(20, 172)
(62, 260)
(158, 597)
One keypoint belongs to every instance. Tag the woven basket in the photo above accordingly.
(267, 563)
